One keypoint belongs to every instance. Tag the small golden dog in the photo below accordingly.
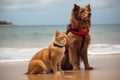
(49, 58)
(78, 36)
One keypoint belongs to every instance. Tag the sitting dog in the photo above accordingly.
(78, 36)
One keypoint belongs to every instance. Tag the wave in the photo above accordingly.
(17, 54)
(104, 49)
(25, 54)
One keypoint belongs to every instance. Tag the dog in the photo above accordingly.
(78, 36)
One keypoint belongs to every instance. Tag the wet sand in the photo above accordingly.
(106, 67)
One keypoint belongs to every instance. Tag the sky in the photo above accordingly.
(56, 12)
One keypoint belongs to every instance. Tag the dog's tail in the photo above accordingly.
(33, 65)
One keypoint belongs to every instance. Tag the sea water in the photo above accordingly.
(20, 43)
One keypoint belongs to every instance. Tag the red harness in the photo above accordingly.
(77, 31)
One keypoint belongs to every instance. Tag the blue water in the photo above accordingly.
(105, 34)
(22, 42)
(41, 36)
(27, 36)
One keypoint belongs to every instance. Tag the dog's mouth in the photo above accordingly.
(87, 17)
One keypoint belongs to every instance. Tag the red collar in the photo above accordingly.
(77, 31)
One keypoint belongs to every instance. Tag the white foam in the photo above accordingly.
(17, 54)
(25, 54)
(104, 49)
(23, 60)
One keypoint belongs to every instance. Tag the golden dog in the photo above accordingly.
(78, 36)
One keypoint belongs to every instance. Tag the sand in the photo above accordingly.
(106, 67)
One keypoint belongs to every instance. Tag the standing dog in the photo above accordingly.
(78, 36)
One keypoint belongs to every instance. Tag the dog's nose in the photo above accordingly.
(89, 15)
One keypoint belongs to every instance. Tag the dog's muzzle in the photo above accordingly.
(89, 15)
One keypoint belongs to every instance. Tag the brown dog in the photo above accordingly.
(78, 36)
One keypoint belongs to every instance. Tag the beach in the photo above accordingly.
(19, 43)
(106, 67)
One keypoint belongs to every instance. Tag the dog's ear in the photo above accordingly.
(88, 6)
(76, 7)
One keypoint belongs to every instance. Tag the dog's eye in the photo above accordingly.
(87, 10)
(82, 11)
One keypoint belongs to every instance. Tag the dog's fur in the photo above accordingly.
(49, 58)
(80, 17)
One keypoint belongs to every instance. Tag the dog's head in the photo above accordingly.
(81, 13)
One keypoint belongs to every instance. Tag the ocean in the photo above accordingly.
(20, 43)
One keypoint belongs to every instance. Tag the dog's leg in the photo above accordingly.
(65, 63)
(78, 58)
(73, 58)
(84, 56)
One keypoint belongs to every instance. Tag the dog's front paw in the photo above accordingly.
(89, 68)
(76, 68)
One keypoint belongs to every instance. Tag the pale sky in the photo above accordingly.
(56, 12)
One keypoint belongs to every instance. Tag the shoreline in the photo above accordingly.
(106, 67)
(27, 60)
